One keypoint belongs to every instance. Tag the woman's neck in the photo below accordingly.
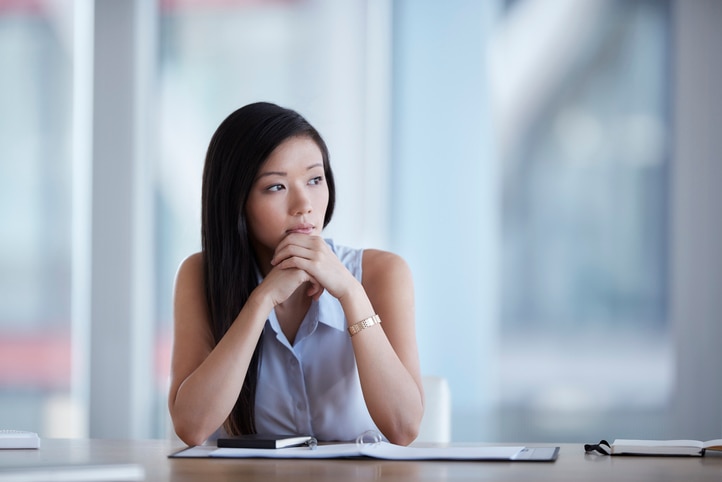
(291, 312)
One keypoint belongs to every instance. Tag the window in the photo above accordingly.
(585, 192)
(35, 192)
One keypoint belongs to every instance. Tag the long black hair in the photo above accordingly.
(237, 150)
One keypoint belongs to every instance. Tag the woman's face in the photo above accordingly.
(289, 195)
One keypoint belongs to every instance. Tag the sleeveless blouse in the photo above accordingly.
(312, 386)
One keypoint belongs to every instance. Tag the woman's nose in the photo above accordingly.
(301, 203)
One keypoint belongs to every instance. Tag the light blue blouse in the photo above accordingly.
(312, 386)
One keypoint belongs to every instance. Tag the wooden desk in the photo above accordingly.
(572, 465)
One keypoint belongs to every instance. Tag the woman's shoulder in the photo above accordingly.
(189, 291)
(375, 264)
(191, 267)
(371, 257)
(193, 261)
(388, 282)
(378, 263)
(375, 256)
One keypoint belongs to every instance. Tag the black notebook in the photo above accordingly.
(654, 447)
(265, 441)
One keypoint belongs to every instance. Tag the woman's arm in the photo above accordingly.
(206, 378)
(387, 354)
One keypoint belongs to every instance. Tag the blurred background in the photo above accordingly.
(548, 168)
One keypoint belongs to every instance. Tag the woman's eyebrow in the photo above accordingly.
(284, 173)
(272, 173)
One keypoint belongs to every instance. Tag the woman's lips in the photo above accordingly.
(301, 229)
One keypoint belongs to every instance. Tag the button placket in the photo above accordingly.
(299, 404)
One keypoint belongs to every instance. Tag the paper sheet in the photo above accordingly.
(382, 450)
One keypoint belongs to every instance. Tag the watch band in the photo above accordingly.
(363, 324)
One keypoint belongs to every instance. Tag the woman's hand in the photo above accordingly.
(280, 284)
(313, 256)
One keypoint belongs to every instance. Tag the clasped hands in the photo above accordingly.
(301, 258)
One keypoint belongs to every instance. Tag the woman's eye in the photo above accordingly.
(316, 180)
(275, 187)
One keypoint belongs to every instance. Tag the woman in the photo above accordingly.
(278, 331)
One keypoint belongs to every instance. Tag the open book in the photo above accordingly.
(658, 447)
(380, 450)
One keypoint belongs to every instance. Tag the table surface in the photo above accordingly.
(572, 464)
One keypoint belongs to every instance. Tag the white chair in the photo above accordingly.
(436, 424)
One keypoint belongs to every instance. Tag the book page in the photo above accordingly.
(658, 443)
(713, 444)
(382, 450)
(657, 447)
(396, 452)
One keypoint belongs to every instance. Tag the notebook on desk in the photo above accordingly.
(382, 450)
(19, 439)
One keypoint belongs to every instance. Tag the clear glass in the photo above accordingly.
(35, 208)
(585, 336)
(584, 325)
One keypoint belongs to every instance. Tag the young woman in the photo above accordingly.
(278, 330)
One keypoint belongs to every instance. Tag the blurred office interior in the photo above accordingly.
(548, 168)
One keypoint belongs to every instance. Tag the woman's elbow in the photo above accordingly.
(189, 436)
(403, 435)
(191, 439)
(192, 432)
(406, 431)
